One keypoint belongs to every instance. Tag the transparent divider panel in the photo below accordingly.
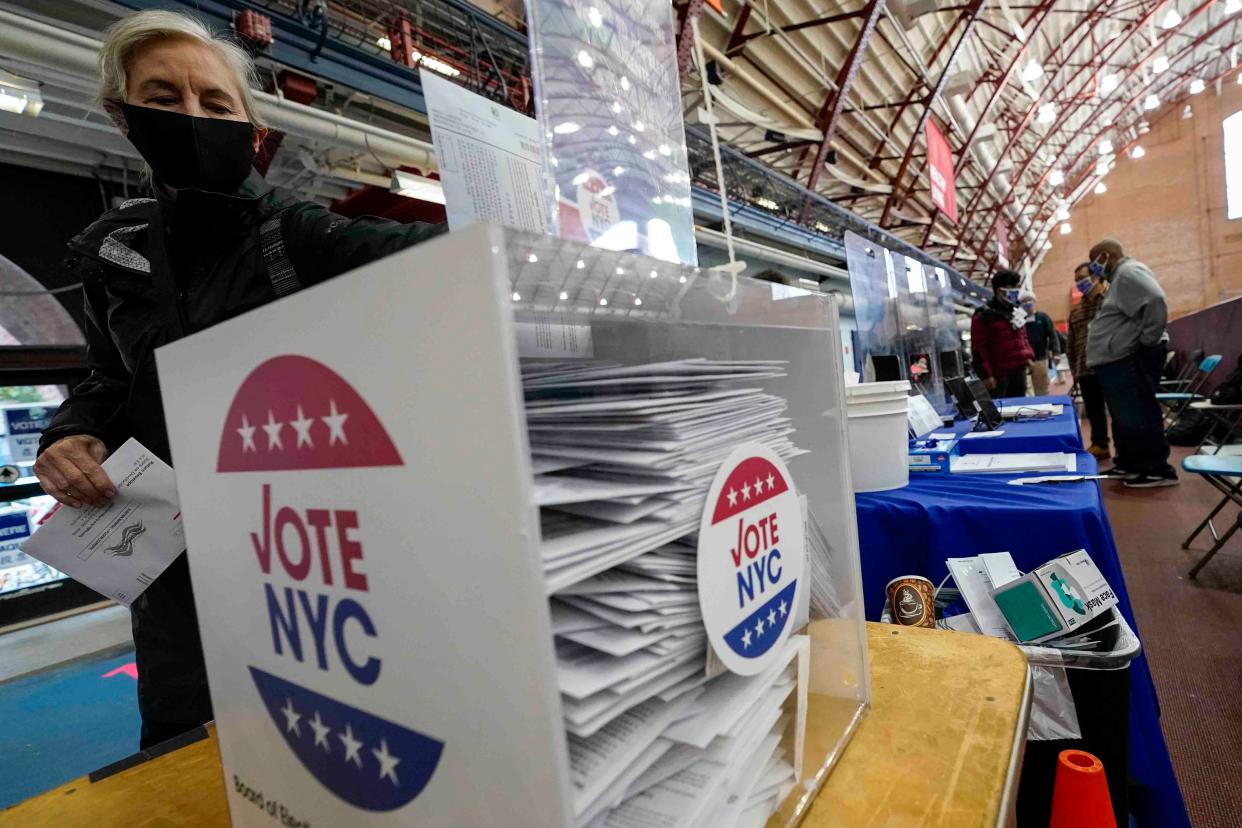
(875, 301)
(608, 97)
(576, 306)
(922, 368)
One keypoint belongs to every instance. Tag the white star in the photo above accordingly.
(336, 425)
(771, 618)
(771, 482)
(291, 718)
(783, 608)
(273, 431)
(302, 426)
(746, 640)
(351, 746)
(758, 485)
(746, 492)
(388, 762)
(759, 627)
(732, 495)
(247, 434)
(321, 732)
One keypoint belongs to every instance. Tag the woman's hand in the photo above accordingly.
(990, 383)
(70, 472)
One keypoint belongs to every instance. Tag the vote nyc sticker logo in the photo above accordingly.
(752, 552)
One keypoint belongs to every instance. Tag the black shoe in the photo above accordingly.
(1118, 473)
(1152, 481)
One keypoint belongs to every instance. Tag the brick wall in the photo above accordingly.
(1167, 209)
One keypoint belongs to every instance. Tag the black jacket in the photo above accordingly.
(155, 270)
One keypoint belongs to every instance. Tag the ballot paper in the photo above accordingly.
(1015, 411)
(1056, 461)
(120, 548)
(623, 456)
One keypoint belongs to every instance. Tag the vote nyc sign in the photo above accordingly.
(752, 552)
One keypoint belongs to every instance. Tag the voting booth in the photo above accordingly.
(505, 529)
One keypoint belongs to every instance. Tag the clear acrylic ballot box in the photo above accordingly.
(504, 529)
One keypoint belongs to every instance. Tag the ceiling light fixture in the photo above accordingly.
(1138, 152)
(1160, 63)
(1062, 213)
(1196, 86)
(1110, 82)
(1066, 229)
(1151, 102)
(1171, 19)
(1047, 113)
(1233, 6)
(1100, 189)
(1032, 71)
(1056, 178)
(1106, 147)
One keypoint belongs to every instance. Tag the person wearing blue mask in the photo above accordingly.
(1080, 316)
(1042, 335)
(1001, 352)
(1126, 348)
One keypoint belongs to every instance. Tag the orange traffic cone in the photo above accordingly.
(1080, 798)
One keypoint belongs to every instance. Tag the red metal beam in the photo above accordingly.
(737, 37)
(685, 37)
(1042, 10)
(1086, 174)
(995, 212)
(807, 24)
(968, 19)
(830, 113)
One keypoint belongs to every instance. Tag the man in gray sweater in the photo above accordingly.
(1126, 348)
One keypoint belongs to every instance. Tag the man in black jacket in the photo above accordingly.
(214, 243)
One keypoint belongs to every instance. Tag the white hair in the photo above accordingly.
(128, 33)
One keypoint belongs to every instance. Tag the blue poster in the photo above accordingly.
(24, 426)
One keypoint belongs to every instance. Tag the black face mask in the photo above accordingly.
(184, 152)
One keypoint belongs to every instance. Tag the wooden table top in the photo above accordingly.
(940, 746)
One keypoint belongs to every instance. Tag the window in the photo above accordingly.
(1233, 165)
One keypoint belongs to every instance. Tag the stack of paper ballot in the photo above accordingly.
(623, 457)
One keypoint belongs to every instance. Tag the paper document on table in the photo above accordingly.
(975, 435)
(487, 156)
(118, 549)
(1031, 410)
(972, 580)
(1056, 461)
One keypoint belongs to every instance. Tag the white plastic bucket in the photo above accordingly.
(879, 433)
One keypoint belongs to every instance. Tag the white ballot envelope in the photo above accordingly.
(118, 549)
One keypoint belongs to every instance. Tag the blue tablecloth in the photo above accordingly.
(1059, 433)
(915, 529)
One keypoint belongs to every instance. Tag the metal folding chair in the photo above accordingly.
(1224, 473)
(1224, 539)
(1226, 421)
(1175, 402)
(1184, 376)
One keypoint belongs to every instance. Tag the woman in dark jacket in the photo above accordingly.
(998, 340)
(214, 242)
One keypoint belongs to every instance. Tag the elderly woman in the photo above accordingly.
(214, 242)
